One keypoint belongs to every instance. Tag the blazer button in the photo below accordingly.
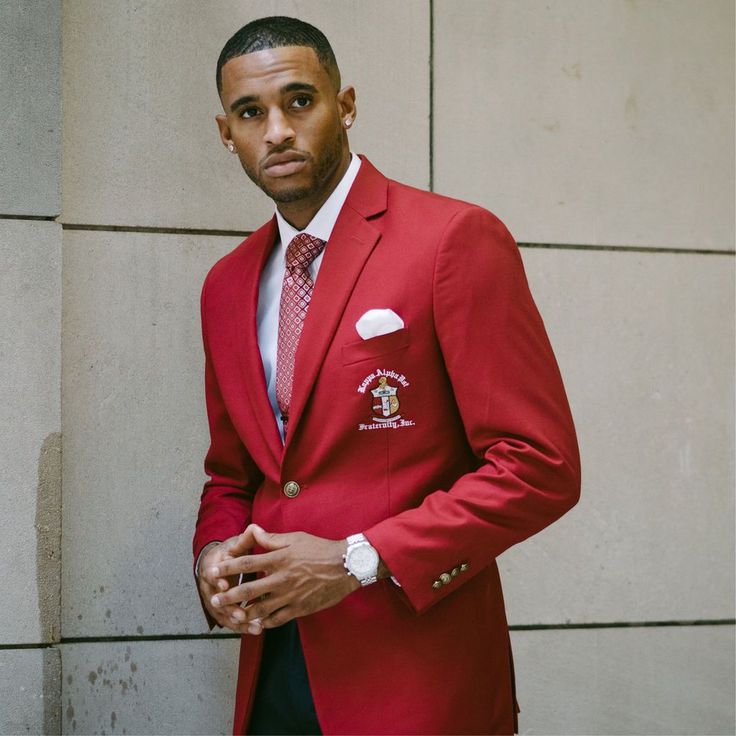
(291, 489)
(464, 566)
(445, 578)
(437, 584)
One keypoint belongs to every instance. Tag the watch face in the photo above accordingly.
(363, 561)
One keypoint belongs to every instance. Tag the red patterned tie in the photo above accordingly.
(296, 293)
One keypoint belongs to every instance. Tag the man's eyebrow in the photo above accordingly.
(291, 87)
(299, 87)
(245, 100)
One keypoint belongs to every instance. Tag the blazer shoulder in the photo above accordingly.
(438, 211)
(233, 263)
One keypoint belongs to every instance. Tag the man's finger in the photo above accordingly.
(244, 542)
(254, 628)
(226, 615)
(225, 618)
(264, 608)
(272, 541)
(245, 564)
(278, 618)
(247, 591)
(230, 612)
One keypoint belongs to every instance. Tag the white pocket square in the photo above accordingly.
(377, 322)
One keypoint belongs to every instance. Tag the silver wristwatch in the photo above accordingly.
(361, 559)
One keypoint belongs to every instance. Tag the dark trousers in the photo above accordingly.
(283, 701)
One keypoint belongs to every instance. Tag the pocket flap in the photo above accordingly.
(374, 347)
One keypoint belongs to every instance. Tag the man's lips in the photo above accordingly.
(284, 164)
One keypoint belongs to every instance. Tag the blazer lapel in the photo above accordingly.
(350, 244)
(246, 343)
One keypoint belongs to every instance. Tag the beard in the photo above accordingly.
(323, 168)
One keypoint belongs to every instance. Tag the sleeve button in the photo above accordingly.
(445, 578)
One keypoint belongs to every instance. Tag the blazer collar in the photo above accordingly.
(255, 254)
(369, 193)
(353, 239)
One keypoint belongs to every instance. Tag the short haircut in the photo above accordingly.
(274, 32)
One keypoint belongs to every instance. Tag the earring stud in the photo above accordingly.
(348, 122)
(231, 148)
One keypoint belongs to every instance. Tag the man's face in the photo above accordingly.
(285, 119)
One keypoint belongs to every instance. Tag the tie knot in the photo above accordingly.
(302, 250)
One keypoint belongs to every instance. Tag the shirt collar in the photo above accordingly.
(323, 222)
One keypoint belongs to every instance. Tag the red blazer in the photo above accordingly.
(475, 452)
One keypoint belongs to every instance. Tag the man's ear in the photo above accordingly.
(346, 103)
(224, 129)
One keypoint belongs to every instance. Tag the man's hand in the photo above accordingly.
(302, 574)
(229, 616)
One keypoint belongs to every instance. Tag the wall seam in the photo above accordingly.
(80, 227)
(154, 230)
(36, 218)
(629, 248)
(431, 95)
(517, 627)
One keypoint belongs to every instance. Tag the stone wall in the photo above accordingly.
(601, 132)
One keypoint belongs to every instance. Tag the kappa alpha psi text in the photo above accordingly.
(382, 386)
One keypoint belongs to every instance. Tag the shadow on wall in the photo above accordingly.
(48, 574)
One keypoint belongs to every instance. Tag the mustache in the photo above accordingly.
(277, 150)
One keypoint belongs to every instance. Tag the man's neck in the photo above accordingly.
(300, 213)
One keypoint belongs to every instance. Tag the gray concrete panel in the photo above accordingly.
(149, 687)
(30, 444)
(30, 691)
(671, 680)
(135, 430)
(645, 344)
(140, 141)
(30, 113)
(648, 378)
(603, 122)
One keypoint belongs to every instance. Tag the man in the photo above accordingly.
(386, 418)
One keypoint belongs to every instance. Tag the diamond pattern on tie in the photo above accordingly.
(296, 294)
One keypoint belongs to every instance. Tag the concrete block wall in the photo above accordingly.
(30, 365)
(600, 132)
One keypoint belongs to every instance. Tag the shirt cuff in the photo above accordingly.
(201, 553)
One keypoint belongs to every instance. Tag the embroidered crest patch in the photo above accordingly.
(385, 402)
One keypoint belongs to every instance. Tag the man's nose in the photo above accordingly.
(278, 128)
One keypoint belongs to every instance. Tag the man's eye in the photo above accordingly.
(249, 112)
(301, 101)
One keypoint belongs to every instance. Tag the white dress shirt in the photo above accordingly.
(272, 278)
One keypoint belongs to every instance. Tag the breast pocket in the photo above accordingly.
(375, 347)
